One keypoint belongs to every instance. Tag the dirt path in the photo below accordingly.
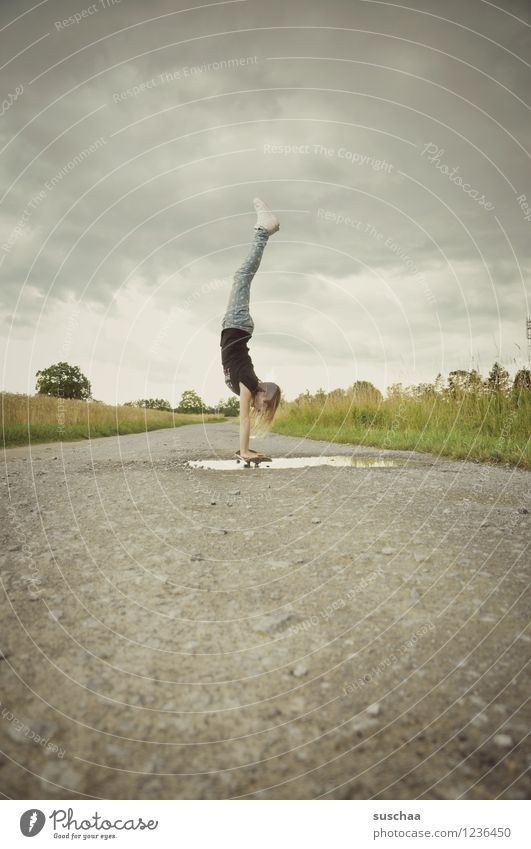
(337, 632)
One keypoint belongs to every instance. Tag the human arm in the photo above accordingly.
(246, 398)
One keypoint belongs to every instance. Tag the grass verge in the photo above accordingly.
(488, 429)
(30, 419)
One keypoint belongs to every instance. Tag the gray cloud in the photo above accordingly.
(129, 170)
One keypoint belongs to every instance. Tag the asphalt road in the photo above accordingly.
(170, 632)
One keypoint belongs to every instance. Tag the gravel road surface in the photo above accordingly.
(172, 632)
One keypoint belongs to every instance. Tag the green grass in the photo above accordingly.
(488, 428)
(28, 419)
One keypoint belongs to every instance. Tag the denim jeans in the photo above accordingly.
(237, 313)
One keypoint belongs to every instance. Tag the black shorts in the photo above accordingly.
(233, 385)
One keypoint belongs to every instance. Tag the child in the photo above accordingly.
(237, 329)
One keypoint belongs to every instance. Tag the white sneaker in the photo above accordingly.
(265, 218)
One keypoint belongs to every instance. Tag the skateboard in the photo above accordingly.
(256, 462)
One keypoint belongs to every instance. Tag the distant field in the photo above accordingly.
(491, 427)
(41, 418)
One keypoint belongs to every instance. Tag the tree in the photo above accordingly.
(462, 382)
(395, 390)
(365, 391)
(150, 404)
(475, 381)
(190, 402)
(304, 398)
(230, 407)
(336, 395)
(457, 382)
(422, 390)
(522, 382)
(62, 380)
(438, 384)
(498, 379)
(225, 407)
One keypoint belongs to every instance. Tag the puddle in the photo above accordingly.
(358, 462)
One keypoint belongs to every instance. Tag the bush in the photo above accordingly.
(370, 417)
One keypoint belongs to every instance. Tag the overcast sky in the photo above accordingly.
(392, 141)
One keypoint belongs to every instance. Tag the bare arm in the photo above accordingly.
(245, 424)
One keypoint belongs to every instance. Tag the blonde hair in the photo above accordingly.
(262, 420)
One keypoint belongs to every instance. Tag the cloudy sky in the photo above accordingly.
(392, 140)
